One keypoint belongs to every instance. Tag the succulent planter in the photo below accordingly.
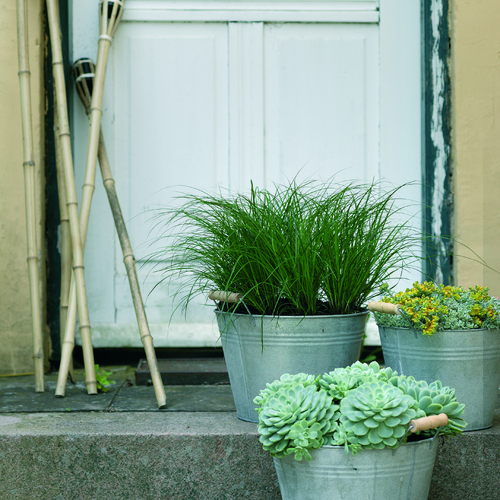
(447, 333)
(468, 360)
(403, 473)
(359, 432)
(258, 349)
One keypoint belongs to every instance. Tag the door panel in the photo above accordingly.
(171, 126)
(171, 117)
(321, 106)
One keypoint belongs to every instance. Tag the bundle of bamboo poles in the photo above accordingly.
(76, 234)
(83, 71)
(29, 186)
(74, 228)
(90, 84)
(110, 13)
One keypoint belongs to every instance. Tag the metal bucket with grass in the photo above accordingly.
(259, 349)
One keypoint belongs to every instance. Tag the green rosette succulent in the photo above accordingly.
(433, 399)
(359, 407)
(340, 381)
(376, 415)
(286, 380)
(294, 419)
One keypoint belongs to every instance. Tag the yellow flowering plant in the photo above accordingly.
(428, 307)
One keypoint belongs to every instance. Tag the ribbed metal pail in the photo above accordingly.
(259, 349)
(404, 473)
(467, 360)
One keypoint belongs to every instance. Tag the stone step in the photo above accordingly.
(185, 371)
(118, 445)
(186, 456)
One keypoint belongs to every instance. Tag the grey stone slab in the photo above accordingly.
(124, 398)
(179, 398)
(185, 371)
(120, 446)
(118, 374)
(468, 467)
(186, 456)
(121, 456)
(25, 399)
(124, 423)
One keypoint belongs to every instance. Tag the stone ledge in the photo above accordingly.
(186, 456)
(468, 468)
(120, 456)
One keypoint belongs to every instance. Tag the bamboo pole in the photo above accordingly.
(71, 199)
(110, 13)
(29, 186)
(83, 70)
(129, 261)
(65, 240)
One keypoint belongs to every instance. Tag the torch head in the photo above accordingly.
(83, 72)
(110, 13)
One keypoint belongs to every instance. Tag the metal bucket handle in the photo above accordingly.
(229, 297)
(387, 308)
(384, 307)
(426, 423)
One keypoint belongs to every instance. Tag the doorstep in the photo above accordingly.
(119, 446)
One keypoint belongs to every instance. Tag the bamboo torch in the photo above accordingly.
(110, 13)
(29, 186)
(71, 199)
(83, 71)
(65, 239)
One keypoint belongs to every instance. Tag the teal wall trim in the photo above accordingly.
(436, 146)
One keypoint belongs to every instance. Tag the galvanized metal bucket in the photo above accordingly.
(403, 473)
(467, 360)
(259, 349)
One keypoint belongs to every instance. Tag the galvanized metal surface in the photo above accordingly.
(404, 473)
(259, 349)
(468, 360)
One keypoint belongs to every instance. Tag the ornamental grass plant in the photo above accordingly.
(303, 249)
(428, 308)
(359, 407)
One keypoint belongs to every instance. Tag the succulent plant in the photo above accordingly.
(433, 399)
(428, 308)
(376, 414)
(305, 436)
(341, 380)
(358, 407)
(286, 380)
(294, 420)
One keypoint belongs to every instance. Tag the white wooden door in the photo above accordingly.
(213, 94)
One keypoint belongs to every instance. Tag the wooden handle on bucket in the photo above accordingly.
(426, 423)
(384, 307)
(225, 296)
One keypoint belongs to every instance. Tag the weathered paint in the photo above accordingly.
(436, 181)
